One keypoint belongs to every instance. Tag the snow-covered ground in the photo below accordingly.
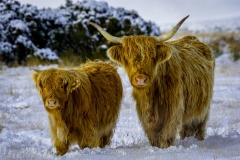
(24, 130)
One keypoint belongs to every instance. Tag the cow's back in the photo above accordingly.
(192, 65)
(182, 88)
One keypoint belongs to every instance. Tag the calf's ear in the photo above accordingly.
(115, 53)
(34, 77)
(37, 81)
(164, 53)
(74, 82)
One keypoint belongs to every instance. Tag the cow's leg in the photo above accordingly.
(82, 145)
(200, 129)
(61, 147)
(186, 131)
(169, 142)
(168, 136)
(153, 137)
(196, 129)
(90, 142)
(106, 139)
(156, 139)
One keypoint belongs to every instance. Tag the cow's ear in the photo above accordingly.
(37, 81)
(163, 53)
(115, 53)
(34, 77)
(74, 82)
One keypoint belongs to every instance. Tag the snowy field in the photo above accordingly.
(24, 130)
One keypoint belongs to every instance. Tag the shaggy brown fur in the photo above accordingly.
(82, 103)
(172, 85)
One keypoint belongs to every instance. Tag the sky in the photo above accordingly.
(166, 11)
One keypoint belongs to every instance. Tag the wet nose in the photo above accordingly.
(141, 80)
(51, 102)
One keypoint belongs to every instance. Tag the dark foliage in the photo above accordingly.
(27, 31)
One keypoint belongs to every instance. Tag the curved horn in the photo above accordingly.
(105, 34)
(170, 34)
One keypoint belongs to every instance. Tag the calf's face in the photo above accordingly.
(54, 92)
(140, 56)
(54, 86)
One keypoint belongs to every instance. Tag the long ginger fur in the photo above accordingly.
(87, 106)
(179, 91)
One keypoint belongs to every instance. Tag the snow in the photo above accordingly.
(16, 25)
(25, 41)
(46, 53)
(25, 133)
(5, 47)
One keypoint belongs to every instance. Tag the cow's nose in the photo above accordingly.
(141, 80)
(51, 102)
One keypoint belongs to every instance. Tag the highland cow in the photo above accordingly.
(82, 104)
(172, 82)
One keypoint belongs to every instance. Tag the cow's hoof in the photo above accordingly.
(61, 152)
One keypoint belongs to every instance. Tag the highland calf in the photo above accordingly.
(172, 83)
(82, 104)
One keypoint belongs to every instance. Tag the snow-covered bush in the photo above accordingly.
(50, 33)
(46, 53)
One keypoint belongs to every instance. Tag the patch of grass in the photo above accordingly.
(35, 61)
(234, 48)
(69, 59)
